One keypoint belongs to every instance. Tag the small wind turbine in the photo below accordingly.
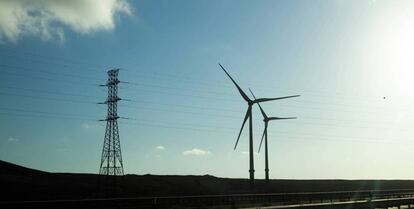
(266, 120)
(248, 115)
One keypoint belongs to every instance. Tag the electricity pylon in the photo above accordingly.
(111, 161)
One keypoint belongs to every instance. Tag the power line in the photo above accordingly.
(49, 60)
(48, 79)
(178, 105)
(6, 67)
(192, 96)
(296, 135)
(155, 86)
(215, 98)
(197, 96)
(209, 128)
(49, 92)
(195, 113)
(48, 98)
(327, 93)
(179, 111)
(48, 113)
(37, 116)
(191, 113)
(182, 126)
(183, 106)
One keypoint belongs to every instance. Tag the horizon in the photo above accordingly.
(349, 60)
(220, 177)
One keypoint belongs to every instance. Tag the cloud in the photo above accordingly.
(85, 126)
(196, 151)
(47, 18)
(160, 148)
(12, 139)
(246, 153)
(372, 2)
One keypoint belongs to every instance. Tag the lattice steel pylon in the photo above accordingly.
(111, 161)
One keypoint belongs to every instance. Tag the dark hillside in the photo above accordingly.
(20, 183)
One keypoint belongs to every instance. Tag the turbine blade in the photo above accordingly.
(244, 95)
(264, 132)
(261, 109)
(277, 118)
(271, 99)
(241, 129)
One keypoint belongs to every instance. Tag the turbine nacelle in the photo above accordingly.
(249, 101)
(266, 119)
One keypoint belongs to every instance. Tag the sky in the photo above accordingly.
(351, 62)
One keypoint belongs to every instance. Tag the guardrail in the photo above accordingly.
(205, 201)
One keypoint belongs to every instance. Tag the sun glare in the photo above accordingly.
(391, 53)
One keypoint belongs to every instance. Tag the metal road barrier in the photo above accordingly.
(226, 201)
(359, 204)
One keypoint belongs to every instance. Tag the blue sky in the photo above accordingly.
(342, 57)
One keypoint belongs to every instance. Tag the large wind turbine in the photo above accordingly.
(266, 120)
(248, 115)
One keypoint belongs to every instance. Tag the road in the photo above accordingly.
(377, 203)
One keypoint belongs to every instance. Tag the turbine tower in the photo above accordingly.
(248, 115)
(111, 161)
(266, 120)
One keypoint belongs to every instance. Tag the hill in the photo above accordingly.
(20, 183)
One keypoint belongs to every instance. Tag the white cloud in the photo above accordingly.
(85, 126)
(196, 151)
(246, 153)
(12, 139)
(46, 18)
(160, 147)
(372, 2)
